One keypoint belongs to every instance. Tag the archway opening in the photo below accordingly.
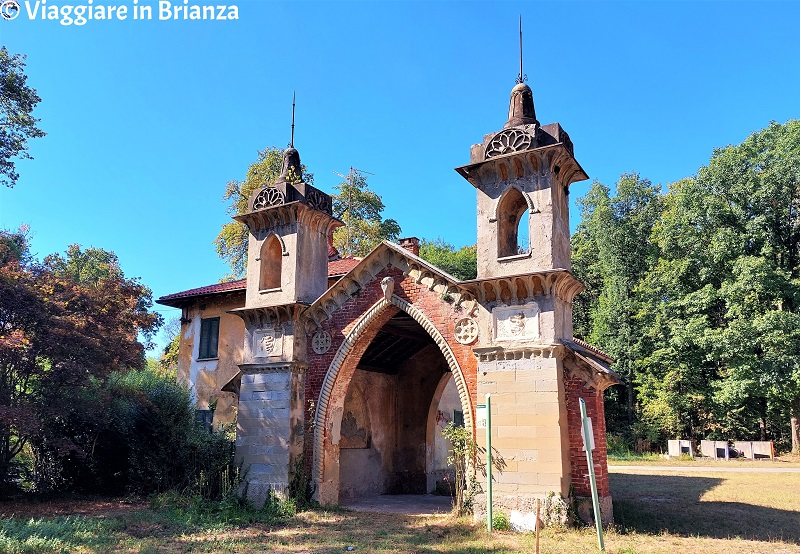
(513, 224)
(271, 263)
(399, 398)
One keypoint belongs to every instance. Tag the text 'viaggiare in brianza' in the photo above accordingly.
(81, 14)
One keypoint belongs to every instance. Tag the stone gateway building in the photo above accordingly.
(346, 369)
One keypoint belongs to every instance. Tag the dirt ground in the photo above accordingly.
(53, 507)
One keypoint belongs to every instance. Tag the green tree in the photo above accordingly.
(85, 267)
(17, 125)
(461, 263)
(231, 242)
(612, 252)
(722, 302)
(360, 209)
(57, 334)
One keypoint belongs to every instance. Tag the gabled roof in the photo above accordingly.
(336, 268)
(594, 365)
(384, 255)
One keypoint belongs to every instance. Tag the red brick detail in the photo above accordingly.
(411, 244)
(441, 314)
(575, 390)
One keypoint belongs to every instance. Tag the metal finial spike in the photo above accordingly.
(521, 78)
(291, 144)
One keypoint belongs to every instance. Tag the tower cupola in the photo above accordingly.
(520, 108)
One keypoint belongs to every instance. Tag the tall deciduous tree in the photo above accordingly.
(612, 252)
(17, 125)
(360, 208)
(231, 242)
(58, 330)
(724, 300)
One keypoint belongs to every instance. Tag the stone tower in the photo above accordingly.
(522, 174)
(289, 223)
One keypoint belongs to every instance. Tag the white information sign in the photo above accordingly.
(480, 416)
(591, 431)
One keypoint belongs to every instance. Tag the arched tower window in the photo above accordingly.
(513, 220)
(271, 262)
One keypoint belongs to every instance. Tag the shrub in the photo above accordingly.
(500, 521)
(134, 433)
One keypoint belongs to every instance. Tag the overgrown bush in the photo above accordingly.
(468, 459)
(134, 433)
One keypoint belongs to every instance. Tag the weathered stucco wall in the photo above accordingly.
(366, 465)
(207, 377)
(440, 449)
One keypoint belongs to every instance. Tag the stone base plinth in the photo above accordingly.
(585, 511)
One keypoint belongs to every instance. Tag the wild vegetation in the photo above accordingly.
(79, 411)
(656, 513)
(17, 124)
(696, 293)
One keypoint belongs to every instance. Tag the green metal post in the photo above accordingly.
(489, 462)
(587, 438)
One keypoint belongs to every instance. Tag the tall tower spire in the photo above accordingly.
(520, 109)
(521, 78)
(291, 143)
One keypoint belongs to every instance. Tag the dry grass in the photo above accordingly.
(672, 512)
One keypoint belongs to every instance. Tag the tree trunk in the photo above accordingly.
(630, 398)
(762, 421)
(794, 412)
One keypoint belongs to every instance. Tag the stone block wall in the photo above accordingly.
(527, 429)
(267, 440)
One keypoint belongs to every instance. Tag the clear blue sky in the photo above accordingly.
(147, 120)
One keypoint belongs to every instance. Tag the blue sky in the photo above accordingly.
(147, 120)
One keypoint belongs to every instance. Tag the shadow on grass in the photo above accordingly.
(654, 503)
(319, 531)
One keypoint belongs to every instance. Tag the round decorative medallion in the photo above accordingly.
(321, 342)
(466, 330)
(508, 141)
(269, 196)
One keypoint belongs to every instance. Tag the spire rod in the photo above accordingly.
(521, 78)
(291, 144)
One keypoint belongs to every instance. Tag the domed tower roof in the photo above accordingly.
(520, 108)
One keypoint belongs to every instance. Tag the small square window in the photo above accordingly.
(458, 418)
(209, 338)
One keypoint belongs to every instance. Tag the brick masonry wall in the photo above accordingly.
(441, 314)
(575, 390)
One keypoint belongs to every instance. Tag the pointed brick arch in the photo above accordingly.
(325, 416)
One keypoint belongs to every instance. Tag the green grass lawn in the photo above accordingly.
(670, 512)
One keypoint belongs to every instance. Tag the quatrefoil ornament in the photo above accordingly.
(465, 330)
(321, 342)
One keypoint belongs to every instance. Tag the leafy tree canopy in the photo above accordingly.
(361, 209)
(59, 329)
(697, 292)
(17, 125)
(461, 263)
(231, 242)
